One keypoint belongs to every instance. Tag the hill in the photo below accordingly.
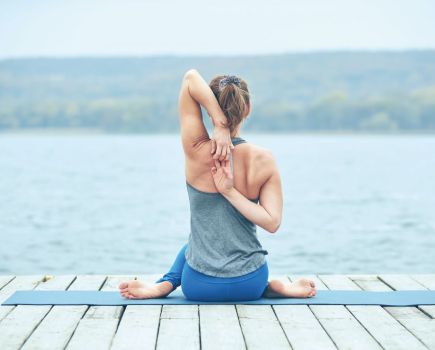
(340, 91)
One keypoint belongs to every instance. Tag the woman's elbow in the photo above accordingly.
(191, 72)
(274, 226)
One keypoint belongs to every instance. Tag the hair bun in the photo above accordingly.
(229, 79)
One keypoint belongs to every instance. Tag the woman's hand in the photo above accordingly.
(222, 176)
(221, 144)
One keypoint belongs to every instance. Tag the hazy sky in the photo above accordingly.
(133, 27)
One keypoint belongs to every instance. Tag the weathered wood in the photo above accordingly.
(140, 325)
(339, 323)
(19, 283)
(339, 282)
(401, 282)
(381, 325)
(217, 326)
(427, 281)
(261, 328)
(57, 327)
(179, 327)
(5, 280)
(418, 323)
(369, 282)
(301, 327)
(220, 328)
(98, 326)
(138, 328)
(19, 324)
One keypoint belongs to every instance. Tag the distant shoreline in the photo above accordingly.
(84, 131)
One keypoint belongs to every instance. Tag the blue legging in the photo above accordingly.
(197, 286)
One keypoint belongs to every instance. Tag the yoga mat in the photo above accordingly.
(323, 297)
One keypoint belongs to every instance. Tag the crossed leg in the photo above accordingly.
(135, 289)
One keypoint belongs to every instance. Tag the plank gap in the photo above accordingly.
(241, 328)
(158, 327)
(282, 328)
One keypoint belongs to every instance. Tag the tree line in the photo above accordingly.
(341, 91)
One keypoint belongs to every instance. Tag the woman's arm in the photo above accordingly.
(268, 213)
(195, 92)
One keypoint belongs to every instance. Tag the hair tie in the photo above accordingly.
(229, 79)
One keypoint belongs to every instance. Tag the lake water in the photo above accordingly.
(118, 204)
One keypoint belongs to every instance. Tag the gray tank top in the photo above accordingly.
(222, 242)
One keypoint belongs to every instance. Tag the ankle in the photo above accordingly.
(165, 286)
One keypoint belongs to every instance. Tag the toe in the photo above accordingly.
(123, 285)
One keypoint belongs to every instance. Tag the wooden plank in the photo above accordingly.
(98, 326)
(179, 327)
(19, 324)
(138, 328)
(401, 282)
(381, 325)
(57, 327)
(220, 328)
(427, 281)
(5, 280)
(302, 328)
(418, 323)
(300, 324)
(369, 282)
(139, 325)
(339, 282)
(19, 283)
(261, 328)
(345, 331)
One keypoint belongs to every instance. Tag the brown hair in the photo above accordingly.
(233, 98)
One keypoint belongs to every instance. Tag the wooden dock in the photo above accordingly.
(219, 327)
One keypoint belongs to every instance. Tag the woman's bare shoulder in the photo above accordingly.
(262, 162)
(260, 155)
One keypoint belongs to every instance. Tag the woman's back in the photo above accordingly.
(222, 242)
(251, 166)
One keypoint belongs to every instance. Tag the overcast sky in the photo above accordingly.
(133, 27)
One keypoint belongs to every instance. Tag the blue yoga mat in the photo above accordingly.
(323, 297)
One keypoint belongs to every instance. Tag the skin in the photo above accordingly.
(208, 168)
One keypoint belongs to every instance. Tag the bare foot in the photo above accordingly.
(301, 288)
(135, 289)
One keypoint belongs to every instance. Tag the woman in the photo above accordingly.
(232, 186)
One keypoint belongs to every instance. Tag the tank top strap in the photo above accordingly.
(237, 140)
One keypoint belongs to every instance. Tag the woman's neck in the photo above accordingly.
(235, 133)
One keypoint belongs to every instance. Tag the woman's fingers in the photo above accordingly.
(213, 146)
(223, 154)
(228, 152)
(218, 152)
(227, 172)
(217, 164)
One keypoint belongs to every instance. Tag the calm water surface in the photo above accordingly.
(118, 204)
